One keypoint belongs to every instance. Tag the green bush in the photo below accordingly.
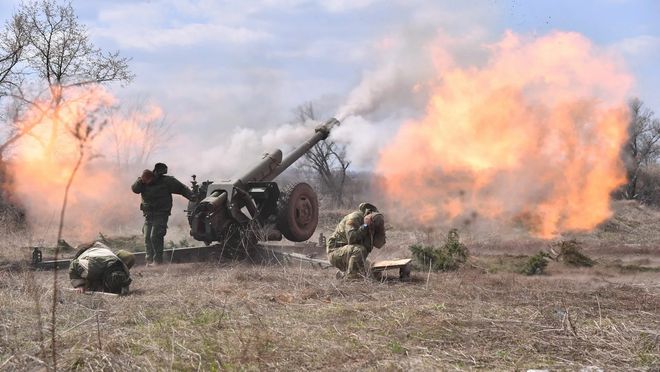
(536, 264)
(447, 257)
(570, 253)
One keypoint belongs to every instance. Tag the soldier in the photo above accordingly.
(156, 189)
(354, 238)
(96, 268)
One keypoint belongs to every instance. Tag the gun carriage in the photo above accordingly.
(253, 206)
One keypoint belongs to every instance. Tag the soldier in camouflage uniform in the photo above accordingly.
(156, 189)
(96, 268)
(354, 238)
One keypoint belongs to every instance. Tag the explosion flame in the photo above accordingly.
(533, 138)
(42, 161)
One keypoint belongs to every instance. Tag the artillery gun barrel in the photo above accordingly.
(265, 167)
(322, 132)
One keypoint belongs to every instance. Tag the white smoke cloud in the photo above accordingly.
(395, 85)
(395, 90)
(391, 92)
(363, 139)
(245, 146)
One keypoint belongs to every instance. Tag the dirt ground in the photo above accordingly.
(235, 316)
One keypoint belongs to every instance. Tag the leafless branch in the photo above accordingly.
(643, 147)
(326, 159)
(44, 48)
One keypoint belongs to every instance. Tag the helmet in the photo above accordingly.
(160, 169)
(367, 208)
(376, 222)
(375, 219)
(126, 257)
(147, 176)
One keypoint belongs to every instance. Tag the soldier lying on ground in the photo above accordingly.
(96, 268)
(354, 238)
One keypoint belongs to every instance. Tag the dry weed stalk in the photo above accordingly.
(241, 316)
(32, 289)
(83, 131)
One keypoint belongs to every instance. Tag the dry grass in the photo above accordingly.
(203, 317)
(240, 317)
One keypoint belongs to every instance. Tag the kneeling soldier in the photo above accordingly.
(354, 238)
(97, 268)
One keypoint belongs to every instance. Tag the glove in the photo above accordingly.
(364, 227)
(147, 177)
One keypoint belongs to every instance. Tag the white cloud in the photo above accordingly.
(638, 46)
(346, 5)
(159, 24)
(186, 35)
(354, 51)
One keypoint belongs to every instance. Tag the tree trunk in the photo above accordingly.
(631, 187)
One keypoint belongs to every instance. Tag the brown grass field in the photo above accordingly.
(236, 316)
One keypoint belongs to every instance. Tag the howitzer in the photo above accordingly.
(223, 211)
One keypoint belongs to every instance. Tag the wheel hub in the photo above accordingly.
(304, 211)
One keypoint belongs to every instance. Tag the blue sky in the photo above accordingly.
(226, 69)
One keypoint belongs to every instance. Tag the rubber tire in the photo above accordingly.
(294, 225)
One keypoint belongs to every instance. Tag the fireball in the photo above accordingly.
(532, 138)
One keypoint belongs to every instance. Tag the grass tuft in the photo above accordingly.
(448, 257)
(536, 264)
(570, 253)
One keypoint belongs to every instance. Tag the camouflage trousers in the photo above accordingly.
(350, 259)
(154, 230)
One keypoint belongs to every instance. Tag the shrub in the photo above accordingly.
(570, 254)
(181, 244)
(447, 257)
(536, 264)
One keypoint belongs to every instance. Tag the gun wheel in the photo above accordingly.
(298, 212)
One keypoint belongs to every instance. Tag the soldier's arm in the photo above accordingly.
(77, 281)
(176, 187)
(354, 235)
(137, 186)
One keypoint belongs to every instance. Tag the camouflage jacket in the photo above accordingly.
(348, 232)
(89, 266)
(157, 196)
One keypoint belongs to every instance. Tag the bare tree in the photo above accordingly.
(327, 159)
(137, 132)
(13, 39)
(84, 129)
(55, 55)
(643, 147)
